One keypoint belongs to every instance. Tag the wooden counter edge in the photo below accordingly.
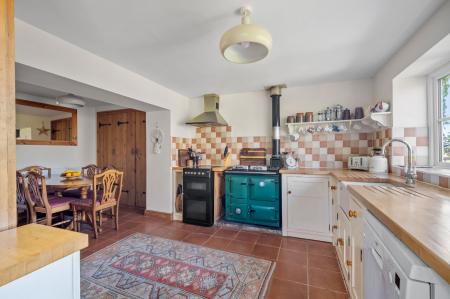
(423, 252)
(32, 261)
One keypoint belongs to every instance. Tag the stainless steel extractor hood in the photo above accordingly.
(211, 116)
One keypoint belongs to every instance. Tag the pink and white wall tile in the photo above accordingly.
(418, 138)
(317, 150)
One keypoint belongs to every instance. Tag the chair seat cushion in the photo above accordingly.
(88, 202)
(60, 201)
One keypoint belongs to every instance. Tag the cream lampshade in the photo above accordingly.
(245, 43)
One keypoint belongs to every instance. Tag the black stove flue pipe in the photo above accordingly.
(275, 94)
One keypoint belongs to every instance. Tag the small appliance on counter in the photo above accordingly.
(358, 162)
(289, 161)
(378, 164)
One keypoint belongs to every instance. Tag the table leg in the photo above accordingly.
(84, 192)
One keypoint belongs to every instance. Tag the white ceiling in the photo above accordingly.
(51, 94)
(176, 43)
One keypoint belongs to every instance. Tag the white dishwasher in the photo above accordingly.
(391, 270)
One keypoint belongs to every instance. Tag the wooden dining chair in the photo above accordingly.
(40, 202)
(22, 203)
(38, 169)
(106, 196)
(90, 170)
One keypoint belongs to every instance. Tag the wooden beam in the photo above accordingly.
(8, 212)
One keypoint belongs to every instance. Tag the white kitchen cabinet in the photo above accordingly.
(306, 206)
(356, 213)
(334, 209)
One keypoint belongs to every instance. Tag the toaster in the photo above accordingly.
(358, 162)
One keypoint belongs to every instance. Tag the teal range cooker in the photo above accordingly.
(253, 195)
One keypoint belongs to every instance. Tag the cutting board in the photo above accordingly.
(252, 156)
(183, 156)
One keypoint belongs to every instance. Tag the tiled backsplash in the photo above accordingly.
(317, 150)
(418, 138)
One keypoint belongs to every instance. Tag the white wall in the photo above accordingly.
(434, 30)
(159, 181)
(410, 102)
(249, 114)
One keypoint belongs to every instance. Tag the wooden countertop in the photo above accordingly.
(345, 175)
(33, 246)
(214, 168)
(419, 216)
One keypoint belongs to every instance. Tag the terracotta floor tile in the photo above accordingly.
(217, 243)
(265, 252)
(291, 256)
(321, 248)
(316, 293)
(323, 262)
(245, 236)
(326, 279)
(240, 247)
(269, 240)
(206, 230)
(282, 289)
(226, 233)
(196, 238)
(291, 271)
(294, 244)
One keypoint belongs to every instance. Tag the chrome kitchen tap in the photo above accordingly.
(410, 173)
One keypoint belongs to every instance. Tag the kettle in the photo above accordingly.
(378, 164)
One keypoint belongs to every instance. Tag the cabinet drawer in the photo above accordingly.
(264, 188)
(308, 186)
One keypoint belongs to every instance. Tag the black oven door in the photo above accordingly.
(198, 201)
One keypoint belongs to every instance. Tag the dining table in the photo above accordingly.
(60, 184)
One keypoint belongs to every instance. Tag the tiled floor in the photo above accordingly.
(305, 269)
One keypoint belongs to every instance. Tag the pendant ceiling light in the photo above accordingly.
(245, 43)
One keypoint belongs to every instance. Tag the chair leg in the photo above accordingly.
(116, 215)
(100, 216)
(75, 219)
(94, 223)
(48, 219)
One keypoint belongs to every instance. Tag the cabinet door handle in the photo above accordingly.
(352, 213)
(289, 192)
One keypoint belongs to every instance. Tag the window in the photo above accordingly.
(439, 117)
(444, 119)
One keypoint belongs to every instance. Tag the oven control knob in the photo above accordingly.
(238, 211)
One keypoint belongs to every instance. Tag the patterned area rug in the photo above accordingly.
(144, 266)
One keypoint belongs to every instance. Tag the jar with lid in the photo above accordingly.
(337, 111)
(328, 114)
(320, 116)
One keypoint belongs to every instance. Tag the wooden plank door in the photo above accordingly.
(141, 162)
(104, 139)
(123, 144)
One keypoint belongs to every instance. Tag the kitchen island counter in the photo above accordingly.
(27, 249)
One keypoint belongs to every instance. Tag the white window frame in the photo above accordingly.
(433, 115)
